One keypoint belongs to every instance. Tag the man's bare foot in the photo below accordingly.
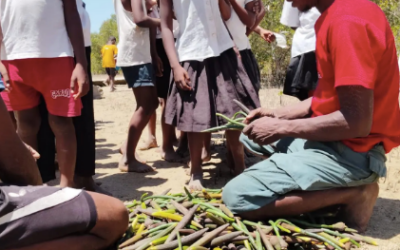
(149, 145)
(170, 156)
(358, 212)
(195, 182)
(112, 89)
(134, 166)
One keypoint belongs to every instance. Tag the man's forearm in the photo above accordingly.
(332, 127)
(75, 31)
(294, 111)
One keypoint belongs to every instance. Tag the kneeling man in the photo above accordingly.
(329, 149)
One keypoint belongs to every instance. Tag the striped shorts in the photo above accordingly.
(31, 215)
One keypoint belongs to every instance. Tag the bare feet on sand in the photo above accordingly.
(149, 144)
(195, 181)
(170, 155)
(358, 212)
(112, 89)
(134, 166)
(122, 152)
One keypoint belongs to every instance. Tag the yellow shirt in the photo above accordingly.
(109, 52)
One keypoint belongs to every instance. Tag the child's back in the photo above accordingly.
(202, 31)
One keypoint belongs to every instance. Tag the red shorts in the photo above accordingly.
(49, 77)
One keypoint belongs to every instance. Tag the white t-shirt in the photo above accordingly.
(85, 19)
(304, 38)
(134, 41)
(202, 33)
(175, 25)
(238, 29)
(33, 29)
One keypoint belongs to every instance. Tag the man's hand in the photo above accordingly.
(33, 152)
(158, 66)
(6, 78)
(182, 79)
(264, 131)
(79, 76)
(267, 35)
(259, 113)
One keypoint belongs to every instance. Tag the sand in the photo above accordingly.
(113, 112)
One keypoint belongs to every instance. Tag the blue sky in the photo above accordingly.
(99, 11)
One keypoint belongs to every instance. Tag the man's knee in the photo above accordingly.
(234, 193)
(112, 218)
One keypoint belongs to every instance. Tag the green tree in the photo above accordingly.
(107, 29)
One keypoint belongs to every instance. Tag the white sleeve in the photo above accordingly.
(248, 1)
(290, 15)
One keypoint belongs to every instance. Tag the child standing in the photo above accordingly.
(136, 50)
(162, 83)
(208, 75)
(37, 59)
(244, 15)
(109, 52)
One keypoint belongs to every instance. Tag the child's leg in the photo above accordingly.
(146, 98)
(235, 150)
(169, 137)
(195, 148)
(183, 144)
(206, 154)
(151, 138)
(28, 126)
(14, 121)
(112, 80)
(64, 131)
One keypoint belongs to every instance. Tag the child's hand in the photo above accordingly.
(158, 66)
(182, 79)
(79, 76)
(267, 35)
(6, 79)
(33, 152)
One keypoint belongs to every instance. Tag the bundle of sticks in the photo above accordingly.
(200, 221)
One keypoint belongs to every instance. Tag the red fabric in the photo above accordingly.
(49, 77)
(355, 46)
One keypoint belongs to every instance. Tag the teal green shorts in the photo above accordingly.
(300, 165)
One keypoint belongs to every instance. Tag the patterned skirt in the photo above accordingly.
(215, 83)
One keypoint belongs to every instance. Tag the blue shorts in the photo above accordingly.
(139, 75)
(300, 165)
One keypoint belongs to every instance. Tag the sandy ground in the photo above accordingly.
(113, 112)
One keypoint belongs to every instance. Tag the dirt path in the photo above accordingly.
(112, 114)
